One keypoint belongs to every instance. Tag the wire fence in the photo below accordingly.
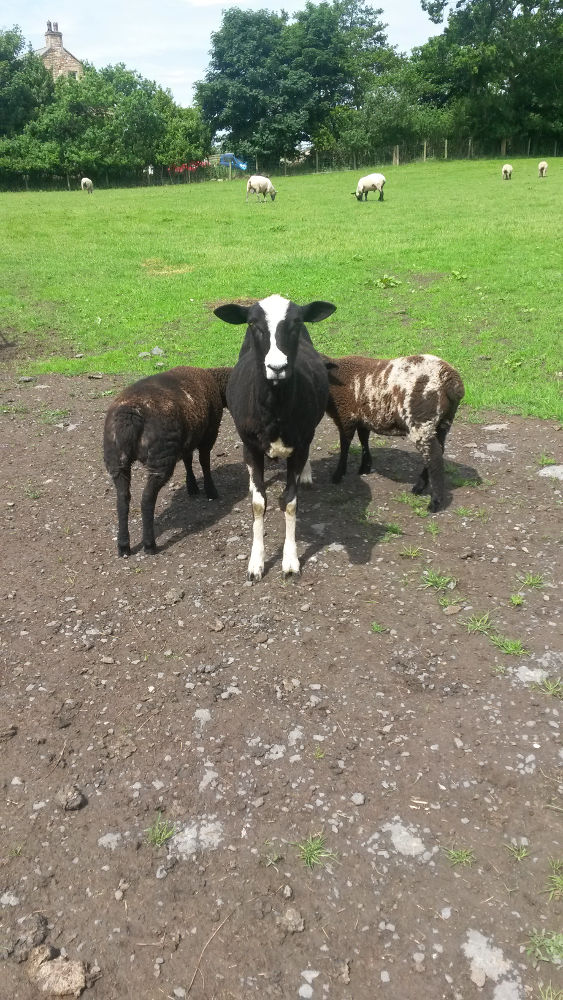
(309, 161)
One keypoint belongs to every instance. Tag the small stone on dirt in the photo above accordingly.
(174, 595)
(7, 732)
(71, 798)
(292, 921)
(57, 976)
(217, 626)
(358, 798)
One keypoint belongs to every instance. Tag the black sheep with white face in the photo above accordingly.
(277, 394)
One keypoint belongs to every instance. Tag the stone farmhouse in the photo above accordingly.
(56, 58)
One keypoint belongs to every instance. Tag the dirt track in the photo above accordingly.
(252, 717)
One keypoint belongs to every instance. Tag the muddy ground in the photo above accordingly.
(175, 697)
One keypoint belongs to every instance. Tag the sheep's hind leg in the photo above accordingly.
(345, 442)
(191, 484)
(122, 483)
(155, 481)
(208, 484)
(436, 476)
(365, 464)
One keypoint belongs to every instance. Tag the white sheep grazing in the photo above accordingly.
(260, 185)
(86, 185)
(373, 182)
(542, 168)
(507, 172)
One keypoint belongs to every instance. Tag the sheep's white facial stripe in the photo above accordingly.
(275, 309)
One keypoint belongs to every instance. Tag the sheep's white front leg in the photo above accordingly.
(256, 562)
(290, 562)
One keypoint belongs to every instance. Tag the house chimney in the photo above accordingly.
(53, 37)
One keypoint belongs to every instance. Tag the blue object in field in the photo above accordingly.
(229, 158)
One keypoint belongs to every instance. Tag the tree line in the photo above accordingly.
(326, 77)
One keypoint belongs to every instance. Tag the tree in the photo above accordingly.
(272, 83)
(25, 85)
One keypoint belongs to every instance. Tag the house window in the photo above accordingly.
(73, 74)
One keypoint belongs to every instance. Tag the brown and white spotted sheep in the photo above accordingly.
(157, 421)
(415, 397)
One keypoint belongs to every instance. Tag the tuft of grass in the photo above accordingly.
(517, 851)
(160, 832)
(478, 623)
(54, 416)
(377, 628)
(459, 275)
(455, 477)
(437, 580)
(552, 687)
(410, 552)
(14, 408)
(547, 992)
(554, 887)
(318, 752)
(433, 529)
(392, 530)
(516, 600)
(546, 946)
(418, 504)
(531, 580)
(449, 602)
(32, 492)
(512, 647)
(387, 281)
(313, 851)
(544, 460)
(472, 512)
(463, 856)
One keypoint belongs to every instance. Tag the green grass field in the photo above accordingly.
(477, 262)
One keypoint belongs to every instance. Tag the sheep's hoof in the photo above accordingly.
(434, 505)
(212, 494)
(253, 577)
(337, 477)
(124, 550)
(150, 549)
(364, 470)
(418, 488)
(193, 489)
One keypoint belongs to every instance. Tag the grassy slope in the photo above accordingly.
(76, 273)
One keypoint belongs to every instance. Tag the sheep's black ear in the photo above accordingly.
(316, 311)
(232, 313)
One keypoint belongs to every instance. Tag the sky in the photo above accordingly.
(170, 41)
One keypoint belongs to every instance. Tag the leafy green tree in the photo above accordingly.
(25, 85)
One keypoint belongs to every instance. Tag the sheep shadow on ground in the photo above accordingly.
(186, 515)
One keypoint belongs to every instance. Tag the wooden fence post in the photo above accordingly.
(445, 149)
(503, 147)
(470, 148)
(395, 156)
(424, 152)
(316, 161)
(555, 148)
(529, 144)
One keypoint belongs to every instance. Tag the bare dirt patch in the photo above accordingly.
(172, 738)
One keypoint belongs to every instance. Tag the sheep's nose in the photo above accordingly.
(278, 369)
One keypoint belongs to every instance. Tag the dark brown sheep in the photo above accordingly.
(415, 397)
(157, 421)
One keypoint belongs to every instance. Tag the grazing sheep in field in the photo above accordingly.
(277, 394)
(260, 186)
(87, 185)
(507, 172)
(542, 168)
(157, 421)
(372, 182)
(415, 397)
